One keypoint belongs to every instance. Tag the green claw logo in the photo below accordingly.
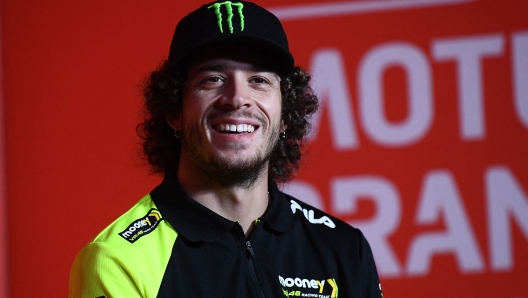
(229, 8)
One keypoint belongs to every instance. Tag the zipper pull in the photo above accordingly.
(250, 249)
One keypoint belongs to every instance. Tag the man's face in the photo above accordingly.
(231, 114)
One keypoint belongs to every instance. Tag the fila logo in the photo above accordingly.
(309, 214)
(229, 8)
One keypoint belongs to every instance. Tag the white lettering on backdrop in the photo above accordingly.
(330, 82)
(520, 75)
(468, 52)
(371, 95)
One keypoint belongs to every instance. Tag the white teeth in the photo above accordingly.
(235, 128)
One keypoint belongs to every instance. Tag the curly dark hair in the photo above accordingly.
(163, 95)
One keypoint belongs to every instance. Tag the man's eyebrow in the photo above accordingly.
(263, 69)
(221, 67)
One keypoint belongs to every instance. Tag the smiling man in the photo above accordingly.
(225, 120)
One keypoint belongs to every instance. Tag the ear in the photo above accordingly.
(173, 121)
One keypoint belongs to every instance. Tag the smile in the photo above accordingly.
(234, 128)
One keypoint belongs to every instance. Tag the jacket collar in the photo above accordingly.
(197, 223)
(278, 216)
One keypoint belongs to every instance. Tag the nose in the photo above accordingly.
(236, 94)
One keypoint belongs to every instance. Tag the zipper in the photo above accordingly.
(253, 272)
(250, 249)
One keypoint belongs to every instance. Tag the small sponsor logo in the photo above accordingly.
(309, 214)
(142, 226)
(303, 287)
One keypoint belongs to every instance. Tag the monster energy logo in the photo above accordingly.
(229, 7)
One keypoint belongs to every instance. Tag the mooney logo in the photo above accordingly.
(309, 214)
(229, 8)
(299, 283)
(142, 226)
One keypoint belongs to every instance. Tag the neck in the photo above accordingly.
(239, 202)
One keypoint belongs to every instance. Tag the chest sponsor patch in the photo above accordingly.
(306, 287)
(142, 226)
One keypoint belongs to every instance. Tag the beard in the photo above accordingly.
(228, 172)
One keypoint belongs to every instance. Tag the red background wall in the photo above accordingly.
(438, 179)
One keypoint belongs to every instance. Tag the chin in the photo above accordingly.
(239, 171)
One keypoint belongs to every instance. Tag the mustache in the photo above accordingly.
(238, 114)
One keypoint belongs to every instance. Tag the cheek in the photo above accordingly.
(271, 103)
(276, 109)
(193, 109)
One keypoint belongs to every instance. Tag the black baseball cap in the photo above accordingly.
(230, 22)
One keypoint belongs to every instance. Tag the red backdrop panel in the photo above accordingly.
(3, 192)
(421, 139)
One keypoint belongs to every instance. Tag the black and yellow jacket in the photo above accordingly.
(168, 245)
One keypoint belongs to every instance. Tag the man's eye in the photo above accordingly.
(259, 80)
(212, 80)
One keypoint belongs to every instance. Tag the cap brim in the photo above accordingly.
(271, 51)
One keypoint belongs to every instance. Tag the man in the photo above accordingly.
(226, 116)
